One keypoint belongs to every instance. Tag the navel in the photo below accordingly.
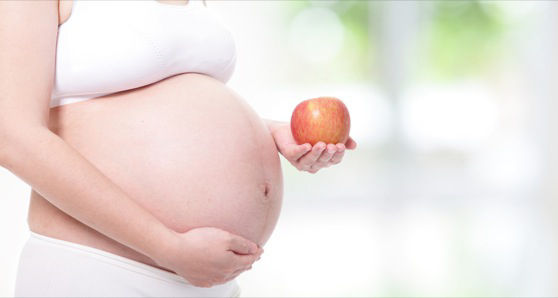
(265, 188)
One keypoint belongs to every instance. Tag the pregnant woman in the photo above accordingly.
(149, 176)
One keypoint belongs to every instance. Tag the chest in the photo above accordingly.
(109, 46)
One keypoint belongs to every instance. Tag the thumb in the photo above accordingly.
(242, 246)
(350, 144)
(294, 151)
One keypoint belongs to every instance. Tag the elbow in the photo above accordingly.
(14, 143)
(4, 143)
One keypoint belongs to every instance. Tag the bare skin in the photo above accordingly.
(180, 174)
(191, 152)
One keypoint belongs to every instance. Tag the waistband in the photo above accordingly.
(112, 259)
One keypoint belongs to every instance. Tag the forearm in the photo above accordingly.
(70, 182)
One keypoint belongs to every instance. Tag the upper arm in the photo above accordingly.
(28, 32)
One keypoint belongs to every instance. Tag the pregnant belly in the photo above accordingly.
(187, 148)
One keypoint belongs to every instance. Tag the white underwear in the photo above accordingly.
(57, 268)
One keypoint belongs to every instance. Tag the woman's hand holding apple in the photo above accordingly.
(306, 157)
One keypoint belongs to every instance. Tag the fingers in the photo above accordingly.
(322, 155)
(242, 246)
(311, 157)
(240, 263)
(327, 154)
(245, 261)
(294, 152)
(338, 156)
(350, 144)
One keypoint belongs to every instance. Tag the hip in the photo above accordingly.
(53, 267)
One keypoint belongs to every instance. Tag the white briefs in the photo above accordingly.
(51, 267)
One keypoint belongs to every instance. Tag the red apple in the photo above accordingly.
(323, 119)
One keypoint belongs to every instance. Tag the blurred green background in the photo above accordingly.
(451, 191)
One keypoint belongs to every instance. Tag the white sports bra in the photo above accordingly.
(110, 46)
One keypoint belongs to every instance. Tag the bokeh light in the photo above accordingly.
(316, 34)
